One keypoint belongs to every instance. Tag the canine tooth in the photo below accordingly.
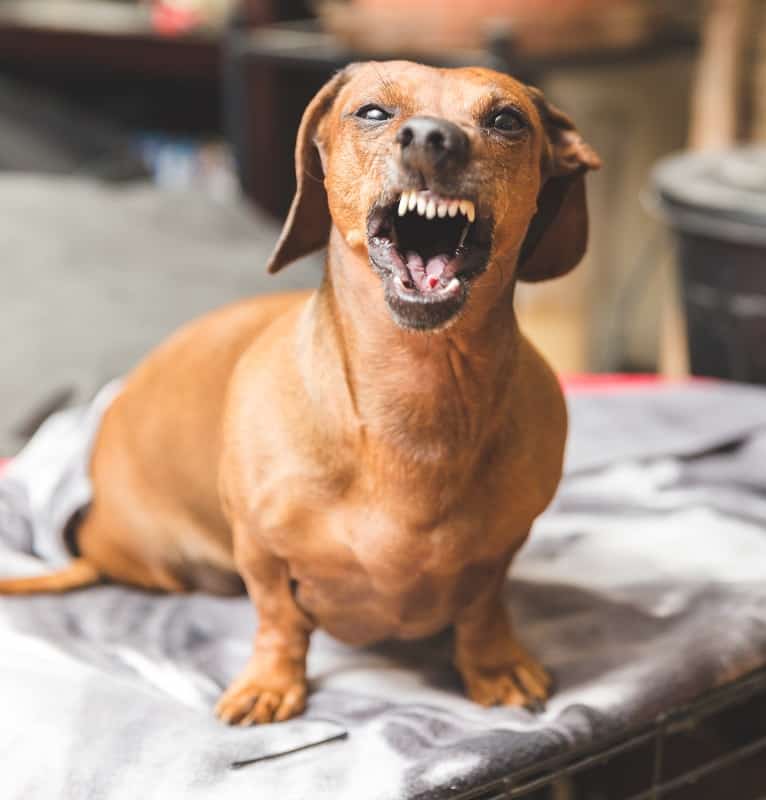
(403, 200)
(422, 202)
(464, 207)
(453, 207)
(471, 211)
(441, 209)
(431, 209)
(463, 235)
(453, 284)
(413, 200)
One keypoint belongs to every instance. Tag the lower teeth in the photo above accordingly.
(405, 284)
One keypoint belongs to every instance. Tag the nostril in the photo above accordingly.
(405, 136)
(435, 140)
(426, 142)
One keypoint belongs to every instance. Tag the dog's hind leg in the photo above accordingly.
(76, 575)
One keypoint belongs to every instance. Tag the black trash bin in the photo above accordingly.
(716, 203)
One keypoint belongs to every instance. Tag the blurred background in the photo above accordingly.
(146, 158)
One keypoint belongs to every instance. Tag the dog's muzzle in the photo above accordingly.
(427, 248)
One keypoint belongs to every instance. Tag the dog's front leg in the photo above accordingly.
(272, 687)
(494, 666)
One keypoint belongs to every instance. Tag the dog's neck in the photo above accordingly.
(430, 393)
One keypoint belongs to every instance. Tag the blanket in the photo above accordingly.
(641, 587)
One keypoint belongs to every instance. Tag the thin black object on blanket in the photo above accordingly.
(250, 761)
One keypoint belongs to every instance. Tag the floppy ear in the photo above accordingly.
(558, 233)
(307, 226)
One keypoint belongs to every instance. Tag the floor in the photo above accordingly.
(95, 274)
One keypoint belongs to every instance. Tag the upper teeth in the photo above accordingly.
(430, 206)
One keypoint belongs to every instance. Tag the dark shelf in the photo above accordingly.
(104, 37)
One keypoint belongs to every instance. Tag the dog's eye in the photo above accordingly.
(508, 121)
(373, 113)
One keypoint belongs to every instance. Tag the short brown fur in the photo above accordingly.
(355, 475)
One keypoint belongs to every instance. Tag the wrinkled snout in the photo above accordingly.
(431, 144)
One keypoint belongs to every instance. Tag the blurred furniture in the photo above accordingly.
(715, 204)
(116, 37)
(108, 57)
(538, 27)
(716, 122)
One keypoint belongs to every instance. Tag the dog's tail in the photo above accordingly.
(74, 576)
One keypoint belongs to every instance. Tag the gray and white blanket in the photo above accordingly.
(641, 587)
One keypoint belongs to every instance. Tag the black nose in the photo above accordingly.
(429, 142)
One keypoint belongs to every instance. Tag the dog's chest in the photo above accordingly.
(391, 549)
(364, 573)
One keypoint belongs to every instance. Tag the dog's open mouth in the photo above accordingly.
(427, 248)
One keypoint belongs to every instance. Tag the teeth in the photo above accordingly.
(453, 284)
(430, 207)
(468, 209)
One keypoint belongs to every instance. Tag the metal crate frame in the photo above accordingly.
(547, 773)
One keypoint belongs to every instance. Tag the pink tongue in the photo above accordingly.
(426, 277)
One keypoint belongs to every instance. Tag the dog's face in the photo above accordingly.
(436, 176)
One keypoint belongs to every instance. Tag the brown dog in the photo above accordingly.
(369, 457)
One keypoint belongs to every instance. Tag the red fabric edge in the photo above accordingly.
(610, 382)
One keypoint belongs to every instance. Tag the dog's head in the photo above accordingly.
(440, 176)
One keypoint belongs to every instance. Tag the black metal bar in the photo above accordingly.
(568, 764)
(659, 748)
(567, 770)
(701, 772)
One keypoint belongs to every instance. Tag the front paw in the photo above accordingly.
(520, 682)
(252, 700)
